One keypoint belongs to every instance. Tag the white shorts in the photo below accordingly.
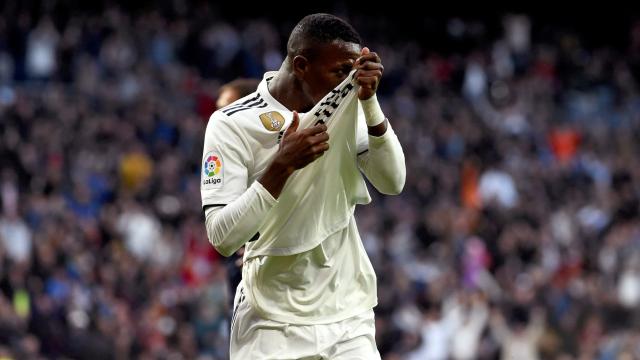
(253, 337)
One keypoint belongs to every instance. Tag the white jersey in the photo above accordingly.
(328, 283)
(319, 199)
(241, 140)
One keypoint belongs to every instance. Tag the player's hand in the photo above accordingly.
(299, 148)
(369, 72)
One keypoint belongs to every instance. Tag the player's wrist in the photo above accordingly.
(373, 114)
(281, 168)
(274, 178)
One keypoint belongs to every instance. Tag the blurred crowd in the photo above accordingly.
(517, 235)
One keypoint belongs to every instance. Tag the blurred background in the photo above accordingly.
(517, 235)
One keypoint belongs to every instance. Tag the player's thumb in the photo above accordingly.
(294, 124)
(365, 51)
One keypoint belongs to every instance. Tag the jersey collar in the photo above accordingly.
(263, 90)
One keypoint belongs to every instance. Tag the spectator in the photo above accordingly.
(102, 115)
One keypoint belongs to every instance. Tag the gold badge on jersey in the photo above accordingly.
(272, 120)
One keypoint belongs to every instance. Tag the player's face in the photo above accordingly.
(329, 68)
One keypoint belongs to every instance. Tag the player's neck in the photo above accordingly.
(286, 89)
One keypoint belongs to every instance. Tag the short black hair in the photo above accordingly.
(320, 29)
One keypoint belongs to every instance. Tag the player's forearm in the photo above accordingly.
(230, 227)
(384, 163)
(275, 177)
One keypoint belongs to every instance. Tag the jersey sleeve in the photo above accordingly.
(225, 161)
(362, 132)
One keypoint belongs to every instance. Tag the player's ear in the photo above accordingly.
(300, 66)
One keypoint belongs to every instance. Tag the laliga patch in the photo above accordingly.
(212, 171)
(272, 120)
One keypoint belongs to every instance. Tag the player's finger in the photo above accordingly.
(316, 139)
(368, 73)
(370, 65)
(320, 148)
(370, 81)
(315, 129)
(294, 124)
(322, 136)
(369, 57)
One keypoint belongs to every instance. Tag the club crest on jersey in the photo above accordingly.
(212, 171)
(272, 120)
